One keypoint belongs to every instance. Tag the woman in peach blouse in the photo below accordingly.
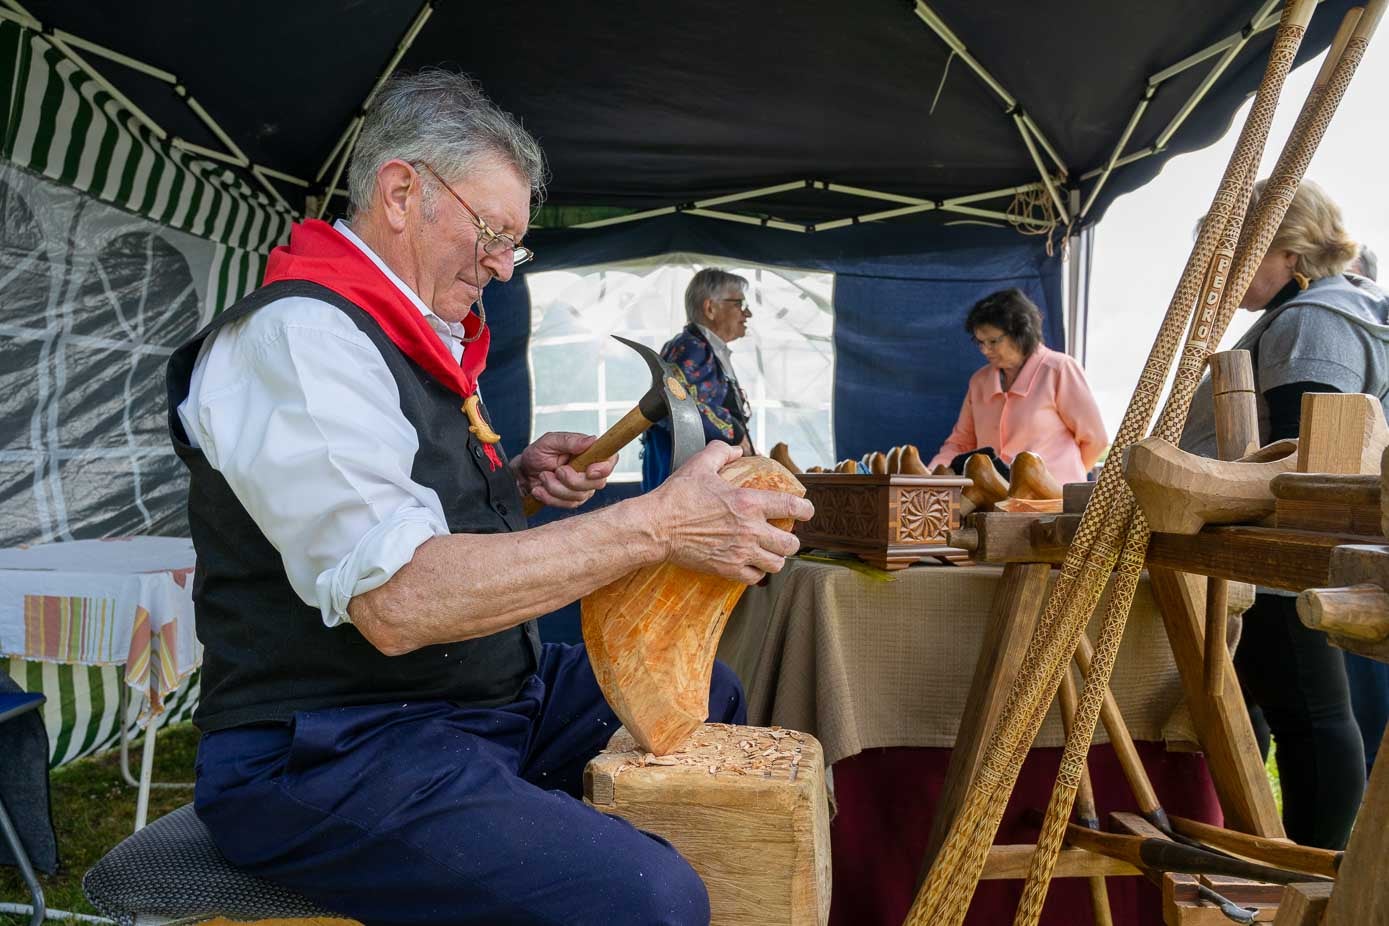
(1029, 397)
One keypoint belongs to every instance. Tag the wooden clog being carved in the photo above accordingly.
(988, 486)
(1031, 479)
(910, 462)
(782, 454)
(1180, 492)
(651, 636)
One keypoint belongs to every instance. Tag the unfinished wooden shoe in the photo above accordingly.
(782, 455)
(894, 460)
(877, 463)
(1180, 493)
(988, 486)
(1031, 478)
(910, 462)
(847, 466)
(651, 636)
(942, 469)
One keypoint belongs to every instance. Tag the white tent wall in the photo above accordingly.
(114, 247)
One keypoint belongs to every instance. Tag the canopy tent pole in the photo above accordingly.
(1230, 46)
(915, 204)
(704, 204)
(68, 44)
(1078, 265)
(938, 26)
(1212, 76)
(1041, 168)
(354, 127)
(747, 219)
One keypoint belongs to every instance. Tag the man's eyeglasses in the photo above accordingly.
(742, 304)
(492, 242)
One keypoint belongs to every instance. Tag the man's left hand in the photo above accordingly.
(544, 472)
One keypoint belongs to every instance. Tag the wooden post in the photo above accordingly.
(1236, 434)
(1236, 404)
(1017, 606)
(1221, 720)
(1341, 433)
(1362, 891)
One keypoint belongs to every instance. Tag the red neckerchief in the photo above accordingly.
(320, 254)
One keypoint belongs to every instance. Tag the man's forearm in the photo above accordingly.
(462, 586)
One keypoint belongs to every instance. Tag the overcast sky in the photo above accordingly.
(1143, 241)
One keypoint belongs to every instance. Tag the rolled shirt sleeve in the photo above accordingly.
(296, 408)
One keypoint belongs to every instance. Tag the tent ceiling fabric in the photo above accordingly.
(656, 104)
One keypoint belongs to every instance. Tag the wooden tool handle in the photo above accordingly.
(632, 425)
(1280, 852)
(1327, 488)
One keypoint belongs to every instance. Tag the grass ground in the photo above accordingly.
(93, 809)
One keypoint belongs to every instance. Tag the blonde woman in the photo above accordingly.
(1322, 330)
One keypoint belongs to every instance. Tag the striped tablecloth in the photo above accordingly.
(80, 619)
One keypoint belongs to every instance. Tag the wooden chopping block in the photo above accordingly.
(1341, 433)
(1180, 492)
(651, 636)
(745, 806)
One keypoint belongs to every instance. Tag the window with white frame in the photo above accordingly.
(585, 381)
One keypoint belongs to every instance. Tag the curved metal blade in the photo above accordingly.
(668, 398)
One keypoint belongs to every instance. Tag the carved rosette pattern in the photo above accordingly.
(923, 515)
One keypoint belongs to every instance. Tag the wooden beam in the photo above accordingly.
(1303, 904)
(1362, 891)
(1221, 720)
(1017, 607)
(1010, 862)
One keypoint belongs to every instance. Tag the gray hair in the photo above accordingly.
(444, 119)
(708, 284)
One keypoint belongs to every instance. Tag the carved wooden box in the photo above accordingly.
(889, 521)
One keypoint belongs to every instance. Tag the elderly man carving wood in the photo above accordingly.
(383, 731)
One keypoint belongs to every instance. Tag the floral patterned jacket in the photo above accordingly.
(721, 402)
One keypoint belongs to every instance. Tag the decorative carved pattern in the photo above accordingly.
(923, 515)
(846, 511)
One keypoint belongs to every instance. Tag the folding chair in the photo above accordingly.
(12, 705)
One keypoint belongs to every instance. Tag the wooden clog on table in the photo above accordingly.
(1031, 478)
(987, 485)
(651, 636)
(782, 454)
(847, 466)
(910, 463)
(877, 463)
(894, 460)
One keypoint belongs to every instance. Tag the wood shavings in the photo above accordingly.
(740, 752)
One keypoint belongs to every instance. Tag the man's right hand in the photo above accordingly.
(710, 526)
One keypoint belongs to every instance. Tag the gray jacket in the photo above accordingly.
(1336, 332)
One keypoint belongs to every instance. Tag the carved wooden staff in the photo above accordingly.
(1268, 214)
(945, 895)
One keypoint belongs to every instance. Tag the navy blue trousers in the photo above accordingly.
(433, 813)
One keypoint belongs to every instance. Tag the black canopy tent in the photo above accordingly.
(901, 145)
(893, 105)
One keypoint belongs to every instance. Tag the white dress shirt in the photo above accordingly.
(296, 408)
(721, 351)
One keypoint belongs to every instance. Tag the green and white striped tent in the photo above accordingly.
(118, 244)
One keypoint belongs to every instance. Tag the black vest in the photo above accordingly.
(268, 654)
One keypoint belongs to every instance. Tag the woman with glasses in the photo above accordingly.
(1028, 397)
(716, 309)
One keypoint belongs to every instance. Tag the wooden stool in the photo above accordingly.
(745, 806)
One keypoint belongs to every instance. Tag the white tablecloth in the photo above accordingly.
(125, 601)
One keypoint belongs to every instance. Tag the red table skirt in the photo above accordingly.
(886, 798)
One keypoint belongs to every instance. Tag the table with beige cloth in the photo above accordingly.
(863, 663)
